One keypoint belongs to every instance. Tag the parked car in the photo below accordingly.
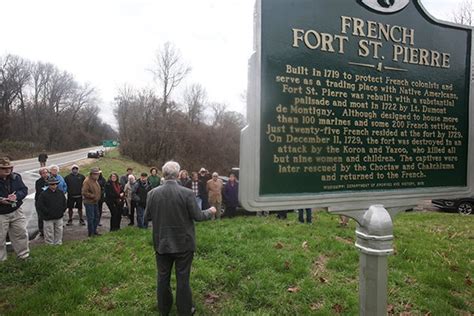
(93, 154)
(463, 206)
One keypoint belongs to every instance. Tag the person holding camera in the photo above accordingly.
(12, 218)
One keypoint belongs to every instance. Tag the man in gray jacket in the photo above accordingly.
(173, 210)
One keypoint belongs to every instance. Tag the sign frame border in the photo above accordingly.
(335, 201)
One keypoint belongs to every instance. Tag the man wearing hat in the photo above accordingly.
(74, 182)
(12, 219)
(91, 194)
(52, 205)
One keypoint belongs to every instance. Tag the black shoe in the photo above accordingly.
(97, 234)
(69, 222)
(81, 221)
(99, 224)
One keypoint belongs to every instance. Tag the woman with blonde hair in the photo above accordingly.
(183, 177)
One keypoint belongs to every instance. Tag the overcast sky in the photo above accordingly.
(110, 43)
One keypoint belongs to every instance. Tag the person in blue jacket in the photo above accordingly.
(12, 218)
(54, 172)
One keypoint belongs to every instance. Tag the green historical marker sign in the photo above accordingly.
(353, 103)
(110, 143)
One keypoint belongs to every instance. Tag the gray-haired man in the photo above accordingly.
(173, 210)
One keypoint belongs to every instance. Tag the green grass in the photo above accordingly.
(246, 265)
(112, 162)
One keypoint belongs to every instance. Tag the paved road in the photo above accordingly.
(28, 169)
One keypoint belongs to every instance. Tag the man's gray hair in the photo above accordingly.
(42, 169)
(170, 170)
(55, 167)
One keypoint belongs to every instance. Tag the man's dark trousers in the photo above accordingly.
(184, 301)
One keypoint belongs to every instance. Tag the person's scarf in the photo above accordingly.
(116, 187)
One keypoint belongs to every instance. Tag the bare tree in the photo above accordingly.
(195, 102)
(82, 97)
(463, 14)
(14, 76)
(169, 70)
(218, 111)
(44, 107)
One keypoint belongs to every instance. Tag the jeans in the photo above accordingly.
(141, 221)
(92, 213)
(184, 300)
(308, 216)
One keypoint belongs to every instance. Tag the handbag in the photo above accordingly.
(125, 210)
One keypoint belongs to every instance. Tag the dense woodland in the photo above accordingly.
(155, 128)
(45, 108)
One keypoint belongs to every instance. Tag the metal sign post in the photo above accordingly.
(374, 240)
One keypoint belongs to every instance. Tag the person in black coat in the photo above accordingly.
(41, 185)
(113, 199)
(231, 196)
(42, 157)
(173, 210)
(52, 205)
(139, 195)
(74, 182)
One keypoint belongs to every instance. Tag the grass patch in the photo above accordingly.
(112, 162)
(246, 266)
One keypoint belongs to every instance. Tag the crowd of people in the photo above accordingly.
(172, 203)
(125, 196)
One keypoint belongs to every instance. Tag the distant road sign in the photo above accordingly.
(110, 143)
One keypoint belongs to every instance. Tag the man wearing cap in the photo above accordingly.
(12, 219)
(74, 182)
(52, 205)
(91, 193)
